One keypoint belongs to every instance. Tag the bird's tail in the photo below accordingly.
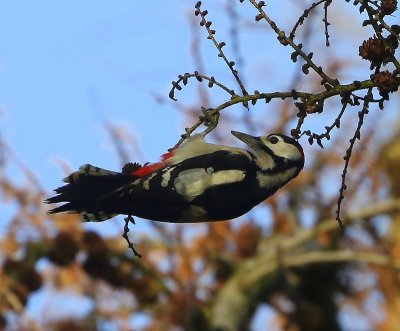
(84, 188)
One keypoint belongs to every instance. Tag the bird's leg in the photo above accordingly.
(209, 120)
(130, 219)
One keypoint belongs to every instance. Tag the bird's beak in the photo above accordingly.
(246, 138)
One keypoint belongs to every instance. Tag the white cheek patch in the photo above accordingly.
(193, 182)
(285, 150)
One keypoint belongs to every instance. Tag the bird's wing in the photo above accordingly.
(186, 179)
(192, 148)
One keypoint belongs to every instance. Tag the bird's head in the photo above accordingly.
(274, 150)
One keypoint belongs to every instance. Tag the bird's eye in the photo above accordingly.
(273, 139)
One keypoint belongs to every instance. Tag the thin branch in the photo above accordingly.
(200, 77)
(328, 129)
(287, 41)
(211, 35)
(253, 98)
(357, 135)
(326, 23)
(302, 18)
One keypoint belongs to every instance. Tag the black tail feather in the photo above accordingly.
(83, 189)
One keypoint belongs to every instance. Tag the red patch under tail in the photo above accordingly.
(152, 167)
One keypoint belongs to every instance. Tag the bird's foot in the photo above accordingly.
(210, 120)
(130, 219)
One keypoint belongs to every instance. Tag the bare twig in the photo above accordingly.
(211, 35)
(357, 135)
(302, 18)
(328, 129)
(200, 77)
(129, 219)
(253, 98)
(284, 40)
(326, 23)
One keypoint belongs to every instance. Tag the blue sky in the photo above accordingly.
(67, 66)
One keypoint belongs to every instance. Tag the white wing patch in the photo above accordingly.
(166, 176)
(196, 146)
(193, 182)
(227, 177)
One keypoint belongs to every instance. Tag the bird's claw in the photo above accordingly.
(209, 120)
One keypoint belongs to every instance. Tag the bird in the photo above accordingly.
(194, 182)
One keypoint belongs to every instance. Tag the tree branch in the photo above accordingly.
(232, 307)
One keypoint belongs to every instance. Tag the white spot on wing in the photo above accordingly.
(190, 183)
(227, 177)
(193, 182)
(166, 177)
(146, 183)
(136, 182)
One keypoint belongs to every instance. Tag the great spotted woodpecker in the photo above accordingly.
(195, 182)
